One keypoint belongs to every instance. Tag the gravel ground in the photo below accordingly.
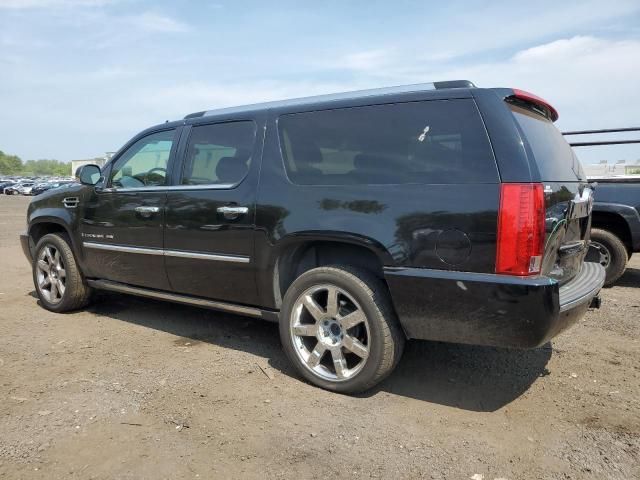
(133, 388)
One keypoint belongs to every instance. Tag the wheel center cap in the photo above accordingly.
(330, 332)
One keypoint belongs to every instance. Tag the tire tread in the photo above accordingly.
(78, 292)
(617, 250)
(393, 337)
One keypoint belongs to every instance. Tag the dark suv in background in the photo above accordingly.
(436, 211)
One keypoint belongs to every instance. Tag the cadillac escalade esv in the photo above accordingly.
(435, 211)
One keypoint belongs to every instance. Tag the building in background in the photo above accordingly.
(606, 169)
(100, 161)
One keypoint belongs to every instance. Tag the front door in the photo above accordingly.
(210, 213)
(123, 222)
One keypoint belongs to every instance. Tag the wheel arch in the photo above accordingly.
(613, 221)
(296, 254)
(41, 226)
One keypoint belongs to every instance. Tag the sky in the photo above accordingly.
(80, 77)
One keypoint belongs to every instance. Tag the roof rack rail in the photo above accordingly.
(342, 96)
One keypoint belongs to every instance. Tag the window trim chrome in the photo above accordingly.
(163, 188)
(167, 253)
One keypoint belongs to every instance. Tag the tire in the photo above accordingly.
(56, 276)
(322, 340)
(613, 254)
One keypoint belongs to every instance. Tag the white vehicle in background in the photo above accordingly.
(25, 188)
(16, 188)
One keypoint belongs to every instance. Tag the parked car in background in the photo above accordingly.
(5, 184)
(43, 187)
(357, 220)
(15, 189)
(25, 189)
(615, 225)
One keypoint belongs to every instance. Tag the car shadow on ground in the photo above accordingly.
(630, 278)
(462, 376)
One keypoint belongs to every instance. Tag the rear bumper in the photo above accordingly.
(25, 243)
(488, 309)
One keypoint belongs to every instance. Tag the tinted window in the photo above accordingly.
(554, 157)
(144, 163)
(219, 154)
(440, 141)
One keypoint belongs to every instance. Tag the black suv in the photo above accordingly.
(435, 211)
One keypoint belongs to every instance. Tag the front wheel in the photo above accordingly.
(56, 275)
(339, 328)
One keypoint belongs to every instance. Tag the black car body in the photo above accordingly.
(466, 203)
(616, 223)
(43, 187)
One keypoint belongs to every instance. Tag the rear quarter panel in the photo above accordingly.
(405, 225)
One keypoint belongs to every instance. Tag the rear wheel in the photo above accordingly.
(339, 329)
(612, 254)
(56, 276)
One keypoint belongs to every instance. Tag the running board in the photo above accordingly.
(185, 299)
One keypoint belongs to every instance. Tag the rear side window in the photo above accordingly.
(219, 153)
(438, 141)
(554, 157)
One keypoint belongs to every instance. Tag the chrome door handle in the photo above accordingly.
(147, 211)
(232, 212)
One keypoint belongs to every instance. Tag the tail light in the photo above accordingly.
(521, 229)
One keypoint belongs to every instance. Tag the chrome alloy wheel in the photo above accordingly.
(604, 256)
(330, 333)
(50, 273)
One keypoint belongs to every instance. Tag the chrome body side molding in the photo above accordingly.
(122, 248)
(167, 253)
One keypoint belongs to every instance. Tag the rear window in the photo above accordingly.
(554, 157)
(439, 141)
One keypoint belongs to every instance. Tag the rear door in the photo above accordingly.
(210, 213)
(568, 198)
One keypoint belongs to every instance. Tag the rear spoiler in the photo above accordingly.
(539, 103)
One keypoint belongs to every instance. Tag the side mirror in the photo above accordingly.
(88, 174)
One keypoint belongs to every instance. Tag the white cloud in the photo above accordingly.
(155, 22)
(589, 79)
(562, 49)
(103, 64)
(367, 60)
(27, 4)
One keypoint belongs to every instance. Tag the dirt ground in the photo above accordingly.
(134, 388)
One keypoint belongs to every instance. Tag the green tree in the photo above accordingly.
(10, 164)
(46, 167)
